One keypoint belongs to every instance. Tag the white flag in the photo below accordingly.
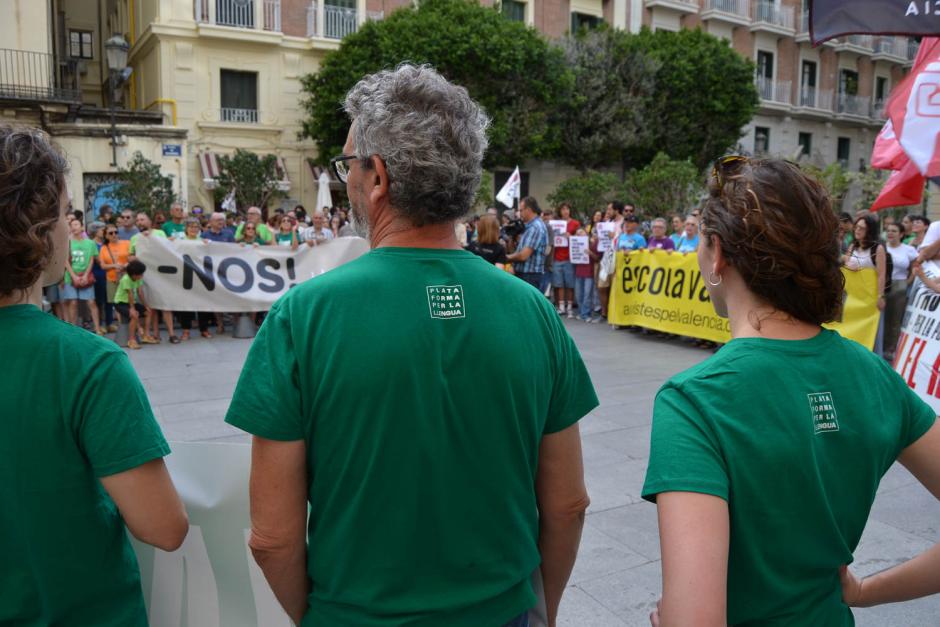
(229, 203)
(510, 190)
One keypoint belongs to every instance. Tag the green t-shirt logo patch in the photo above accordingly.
(446, 301)
(824, 412)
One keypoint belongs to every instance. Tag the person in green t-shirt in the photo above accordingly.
(287, 233)
(439, 478)
(765, 458)
(175, 224)
(253, 216)
(79, 267)
(82, 455)
(130, 302)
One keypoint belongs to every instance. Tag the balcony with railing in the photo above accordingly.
(853, 105)
(731, 11)
(772, 17)
(878, 110)
(858, 44)
(912, 47)
(250, 14)
(893, 49)
(814, 101)
(238, 116)
(774, 92)
(680, 6)
(33, 76)
(329, 21)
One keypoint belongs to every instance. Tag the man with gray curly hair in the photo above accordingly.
(440, 472)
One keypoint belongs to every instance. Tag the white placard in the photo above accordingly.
(605, 233)
(579, 249)
(560, 229)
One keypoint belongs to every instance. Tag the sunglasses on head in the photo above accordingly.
(725, 167)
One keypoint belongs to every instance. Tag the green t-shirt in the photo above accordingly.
(796, 436)
(170, 228)
(132, 249)
(284, 239)
(264, 233)
(422, 382)
(127, 286)
(82, 251)
(74, 411)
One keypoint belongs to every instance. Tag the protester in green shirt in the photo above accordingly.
(81, 452)
(765, 459)
(129, 301)
(83, 251)
(253, 216)
(175, 224)
(442, 462)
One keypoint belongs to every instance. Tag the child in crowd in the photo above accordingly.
(584, 291)
(130, 303)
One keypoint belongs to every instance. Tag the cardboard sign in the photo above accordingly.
(579, 249)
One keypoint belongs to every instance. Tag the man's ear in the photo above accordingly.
(378, 189)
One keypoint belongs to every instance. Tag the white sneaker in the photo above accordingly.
(561, 308)
(570, 313)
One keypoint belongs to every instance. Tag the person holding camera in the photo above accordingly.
(529, 257)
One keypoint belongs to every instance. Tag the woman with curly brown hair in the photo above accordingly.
(81, 452)
(765, 458)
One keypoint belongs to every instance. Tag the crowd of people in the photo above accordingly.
(417, 459)
(103, 279)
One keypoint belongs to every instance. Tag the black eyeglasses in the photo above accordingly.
(340, 168)
(111, 233)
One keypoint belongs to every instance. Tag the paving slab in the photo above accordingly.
(617, 578)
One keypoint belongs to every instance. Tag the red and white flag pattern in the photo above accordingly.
(908, 142)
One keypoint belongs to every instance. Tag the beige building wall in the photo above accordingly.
(25, 26)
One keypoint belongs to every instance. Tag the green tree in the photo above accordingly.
(834, 178)
(507, 67)
(484, 197)
(254, 179)
(587, 192)
(144, 187)
(606, 116)
(703, 95)
(664, 187)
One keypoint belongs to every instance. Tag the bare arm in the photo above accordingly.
(562, 501)
(929, 252)
(880, 263)
(694, 532)
(278, 494)
(919, 576)
(293, 240)
(149, 504)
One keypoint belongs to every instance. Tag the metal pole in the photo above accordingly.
(113, 125)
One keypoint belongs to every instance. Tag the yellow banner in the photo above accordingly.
(666, 292)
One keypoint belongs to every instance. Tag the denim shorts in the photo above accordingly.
(563, 274)
(70, 292)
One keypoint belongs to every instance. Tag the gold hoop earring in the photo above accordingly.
(713, 284)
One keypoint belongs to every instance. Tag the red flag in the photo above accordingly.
(887, 153)
(914, 110)
(903, 187)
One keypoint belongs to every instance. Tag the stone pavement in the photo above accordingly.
(617, 578)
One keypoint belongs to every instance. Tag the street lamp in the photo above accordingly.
(116, 49)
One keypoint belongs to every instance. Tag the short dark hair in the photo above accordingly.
(32, 181)
(845, 217)
(531, 203)
(135, 268)
(617, 205)
(923, 219)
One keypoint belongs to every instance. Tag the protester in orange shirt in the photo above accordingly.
(113, 259)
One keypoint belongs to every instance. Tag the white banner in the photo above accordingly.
(510, 191)
(579, 249)
(185, 275)
(605, 233)
(212, 580)
(917, 358)
(560, 228)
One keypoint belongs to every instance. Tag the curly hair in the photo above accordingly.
(776, 227)
(32, 180)
(430, 134)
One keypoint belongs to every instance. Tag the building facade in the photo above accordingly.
(208, 77)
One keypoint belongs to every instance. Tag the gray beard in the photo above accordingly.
(359, 226)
